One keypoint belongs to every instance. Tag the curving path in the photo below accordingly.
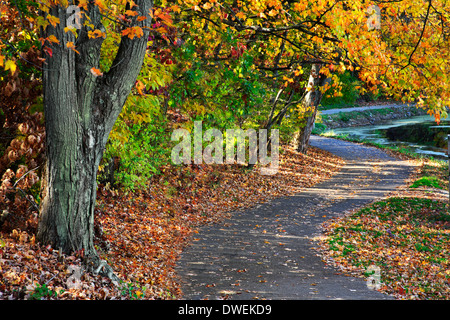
(267, 252)
(365, 108)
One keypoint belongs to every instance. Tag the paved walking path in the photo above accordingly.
(365, 108)
(267, 252)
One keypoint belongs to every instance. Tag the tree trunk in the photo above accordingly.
(311, 102)
(80, 111)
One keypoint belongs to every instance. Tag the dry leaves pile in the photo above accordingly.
(141, 235)
(406, 235)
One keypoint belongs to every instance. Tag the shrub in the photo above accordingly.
(139, 142)
(343, 92)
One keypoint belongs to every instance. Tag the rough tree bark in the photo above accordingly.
(80, 111)
(311, 102)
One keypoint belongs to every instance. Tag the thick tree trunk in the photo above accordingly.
(80, 111)
(311, 102)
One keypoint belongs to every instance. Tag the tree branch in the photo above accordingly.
(421, 35)
(115, 85)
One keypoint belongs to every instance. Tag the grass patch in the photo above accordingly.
(407, 238)
(426, 181)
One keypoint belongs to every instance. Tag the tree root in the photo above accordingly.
(100, 267)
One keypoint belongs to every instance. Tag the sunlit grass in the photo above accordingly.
(407, 238)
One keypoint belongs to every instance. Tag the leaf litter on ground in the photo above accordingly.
(142, 234)
(406, 235)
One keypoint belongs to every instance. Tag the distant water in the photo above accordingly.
(420, 133)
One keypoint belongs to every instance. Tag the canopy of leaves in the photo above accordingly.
(228, 63)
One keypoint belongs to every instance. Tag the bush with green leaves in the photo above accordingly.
(140, 141)
(344, 91)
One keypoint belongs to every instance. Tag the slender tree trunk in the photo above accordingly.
(311, 102)
(80, 111)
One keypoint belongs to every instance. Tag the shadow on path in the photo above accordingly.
(267, 252)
